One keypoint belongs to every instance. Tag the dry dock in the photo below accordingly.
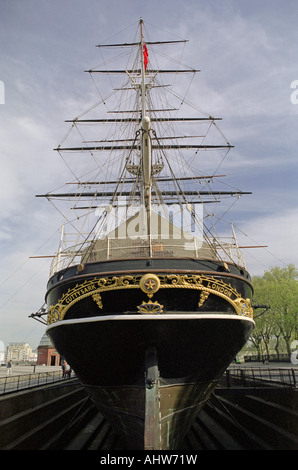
(254, 408)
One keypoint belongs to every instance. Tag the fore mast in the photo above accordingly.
(146, 160)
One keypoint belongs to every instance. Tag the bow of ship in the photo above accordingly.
(145, 302)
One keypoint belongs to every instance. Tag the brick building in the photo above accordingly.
(46, 353)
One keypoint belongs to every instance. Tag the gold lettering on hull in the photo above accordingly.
(150, 284)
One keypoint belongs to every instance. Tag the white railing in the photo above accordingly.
(136, 247)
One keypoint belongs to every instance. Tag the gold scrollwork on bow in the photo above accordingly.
(150, 284)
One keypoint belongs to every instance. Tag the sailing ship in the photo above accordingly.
(144, 301)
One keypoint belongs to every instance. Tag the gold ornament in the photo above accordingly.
(149, 284)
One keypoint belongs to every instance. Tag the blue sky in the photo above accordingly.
(247, 52)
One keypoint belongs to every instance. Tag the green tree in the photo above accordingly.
(277, 288)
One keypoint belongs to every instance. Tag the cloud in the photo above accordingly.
(279, 232)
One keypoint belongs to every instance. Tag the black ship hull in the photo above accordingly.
(150, 343)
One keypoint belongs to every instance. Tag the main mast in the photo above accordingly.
(146, 158)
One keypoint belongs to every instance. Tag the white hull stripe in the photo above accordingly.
(212, 316)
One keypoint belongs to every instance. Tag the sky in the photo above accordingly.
(247, 54)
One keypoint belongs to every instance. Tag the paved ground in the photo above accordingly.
(21, 370)
(23, 377)
(270, 365)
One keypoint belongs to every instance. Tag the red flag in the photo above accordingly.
(145, 52)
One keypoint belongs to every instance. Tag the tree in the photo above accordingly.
(277, 288)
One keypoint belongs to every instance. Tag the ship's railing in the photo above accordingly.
(65, 259)
(122, 248)
(229, 250)
(135, 247)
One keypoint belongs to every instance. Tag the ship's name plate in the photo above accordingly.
(79, 292)
(219, 288)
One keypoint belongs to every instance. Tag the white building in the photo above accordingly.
(18, 352)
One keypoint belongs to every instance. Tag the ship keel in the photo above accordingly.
(152, 437)
(161, 370)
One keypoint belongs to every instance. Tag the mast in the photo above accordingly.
(145, 147)
(143, 86)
